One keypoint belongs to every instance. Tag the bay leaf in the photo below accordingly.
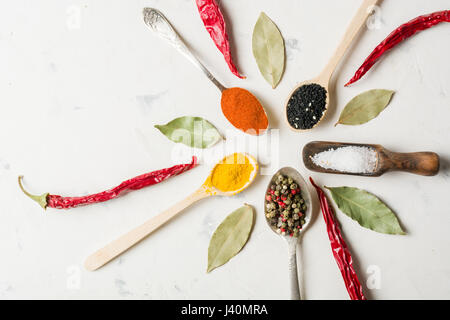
(230, 237)
(194, 132)
(268, 49)
(365, 208)
(365, 107)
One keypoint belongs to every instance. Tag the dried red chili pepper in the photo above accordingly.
(339, 247)
(139, 182)
(215, 24)
(398, 35)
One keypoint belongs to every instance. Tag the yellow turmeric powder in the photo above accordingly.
(232, 173)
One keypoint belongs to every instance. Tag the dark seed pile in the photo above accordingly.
(285, 206)
(306, 106)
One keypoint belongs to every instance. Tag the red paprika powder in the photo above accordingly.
(244, 111)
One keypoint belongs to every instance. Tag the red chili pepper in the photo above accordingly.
(398, 35)
(215, 24)
(139, 182)
(339, 248)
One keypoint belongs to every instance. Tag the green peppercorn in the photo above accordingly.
(296, 210)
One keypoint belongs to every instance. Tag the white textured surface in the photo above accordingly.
(79, 102)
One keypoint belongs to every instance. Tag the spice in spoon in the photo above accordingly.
(244, 111)
(351, 159)
(306, 106)
(285, 206)
(232, 173)
(58, 202)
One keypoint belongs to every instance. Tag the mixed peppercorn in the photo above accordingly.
(285, 206)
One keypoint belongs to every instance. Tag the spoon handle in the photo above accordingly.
(421, 163)
(352, 30)
(157, 22)
(293, 275)
(126, 241)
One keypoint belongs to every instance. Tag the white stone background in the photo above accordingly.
(82, 84)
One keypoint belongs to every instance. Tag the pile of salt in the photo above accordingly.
(350, 159)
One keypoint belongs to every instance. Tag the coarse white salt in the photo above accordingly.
(350, 159)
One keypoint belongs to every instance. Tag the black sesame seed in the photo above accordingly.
(306, 106)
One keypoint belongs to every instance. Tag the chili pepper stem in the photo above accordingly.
(42, 199)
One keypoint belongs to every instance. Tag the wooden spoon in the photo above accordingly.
(128, 240)
(292, 241)
(422, 163)
(158, 23)
(323, 79)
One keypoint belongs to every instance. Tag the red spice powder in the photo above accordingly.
(244, 111)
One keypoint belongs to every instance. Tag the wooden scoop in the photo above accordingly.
(128, 240)
(421, 163)
(324, 77)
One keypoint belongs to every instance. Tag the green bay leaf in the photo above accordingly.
(230, 237)
(194, 132)
(365, 208)
(365, 107)
(268, 49)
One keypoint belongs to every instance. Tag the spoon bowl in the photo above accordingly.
(293, 241)
(300, 181)
(324, 83)
(210, 189)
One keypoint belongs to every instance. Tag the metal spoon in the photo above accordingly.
(323, 79)
(131, 238)
(158, 23)
(292, 241)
